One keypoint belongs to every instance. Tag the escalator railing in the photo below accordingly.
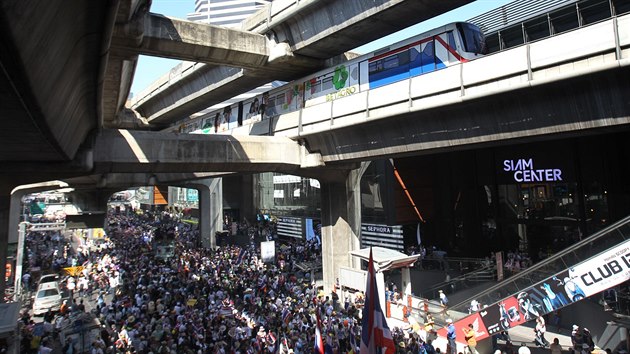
(566, 259)
(484, 274)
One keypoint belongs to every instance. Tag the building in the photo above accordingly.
(227, 13)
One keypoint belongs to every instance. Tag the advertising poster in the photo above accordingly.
(608, 269)
(268, 251)
(480, 329)
(595, 275)
(502, 316)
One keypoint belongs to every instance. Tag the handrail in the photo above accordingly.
(580, 251)
(431, 293)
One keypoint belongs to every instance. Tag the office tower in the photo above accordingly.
(227, 13)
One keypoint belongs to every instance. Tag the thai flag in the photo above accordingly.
(319, 340)
(375, 335)
(241, 254)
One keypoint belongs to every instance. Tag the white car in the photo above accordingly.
(48, 297)
(48, 278)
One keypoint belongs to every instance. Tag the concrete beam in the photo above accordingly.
(178, 39)
(123, 151)
(311, 34)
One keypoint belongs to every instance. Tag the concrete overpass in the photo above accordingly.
(556, 86)
(308, 32)
(86, 52)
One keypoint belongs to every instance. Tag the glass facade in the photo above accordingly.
(536, 198)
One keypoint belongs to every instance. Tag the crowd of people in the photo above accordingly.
(516, 261)
(222, 300)
(202, 300)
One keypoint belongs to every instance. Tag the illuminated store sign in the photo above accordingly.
(524, 171)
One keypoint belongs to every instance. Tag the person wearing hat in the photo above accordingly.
(451, 336)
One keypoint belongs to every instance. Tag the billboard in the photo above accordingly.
(603, 271)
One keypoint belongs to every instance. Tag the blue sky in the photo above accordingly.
(150, 69)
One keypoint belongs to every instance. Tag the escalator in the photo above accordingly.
(588, 267)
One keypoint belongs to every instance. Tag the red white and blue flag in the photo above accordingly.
(376, 337)
(319, 340)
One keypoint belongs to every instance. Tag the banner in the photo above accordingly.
(603, 271)
(268, 251)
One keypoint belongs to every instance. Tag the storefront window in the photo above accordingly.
(596, 207)
(545, 217)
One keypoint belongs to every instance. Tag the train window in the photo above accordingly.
(428, 57)
(390, 62)
(272, 102)
(376, 66)
(413, 54)
(316, 87)
(327, 84)
(279, 100)
(451, 40)
(472, 38)
(403, 58)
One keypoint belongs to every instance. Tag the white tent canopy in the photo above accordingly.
(385, 258)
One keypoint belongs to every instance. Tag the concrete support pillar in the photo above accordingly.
(341, 225)
(406, 281)
(246, 207)
(210, 210)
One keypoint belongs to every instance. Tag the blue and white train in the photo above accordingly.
(433, 50)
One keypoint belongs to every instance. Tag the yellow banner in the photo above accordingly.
(73, 271)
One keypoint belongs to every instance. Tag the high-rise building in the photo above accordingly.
(228, 13)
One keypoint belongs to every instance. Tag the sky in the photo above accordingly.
(150, 69)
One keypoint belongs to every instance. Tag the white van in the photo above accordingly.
(48, 297)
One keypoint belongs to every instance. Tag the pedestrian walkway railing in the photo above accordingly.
(464, 281)
(49, 226)
(569, 257)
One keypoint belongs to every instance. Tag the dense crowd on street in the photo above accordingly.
(223, 300)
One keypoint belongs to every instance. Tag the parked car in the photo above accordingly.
(47, 297)
(47, 278)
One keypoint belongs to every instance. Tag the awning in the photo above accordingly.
(385, 258)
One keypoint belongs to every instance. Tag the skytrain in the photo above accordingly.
(439, 48)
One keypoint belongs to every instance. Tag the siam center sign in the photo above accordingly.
(524, 171)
